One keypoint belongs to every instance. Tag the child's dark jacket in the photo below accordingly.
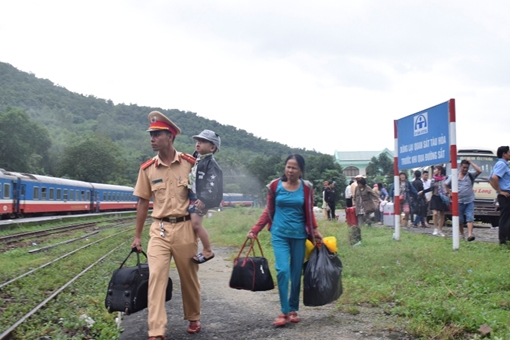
(209, 182)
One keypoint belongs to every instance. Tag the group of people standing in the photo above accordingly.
(419, 196)
(422, 194)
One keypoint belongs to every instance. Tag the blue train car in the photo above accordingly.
(23, 194)
(45, 195)
(108, 197)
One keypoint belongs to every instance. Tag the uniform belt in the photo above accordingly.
(173, 219)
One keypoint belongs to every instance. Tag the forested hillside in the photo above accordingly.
(46, 129)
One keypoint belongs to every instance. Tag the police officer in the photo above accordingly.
(500, 181)
(165, 178)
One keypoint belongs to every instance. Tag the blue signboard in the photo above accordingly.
(423, 138)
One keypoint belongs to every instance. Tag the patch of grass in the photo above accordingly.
(441, 293)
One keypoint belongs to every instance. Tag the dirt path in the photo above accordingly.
(233, 314)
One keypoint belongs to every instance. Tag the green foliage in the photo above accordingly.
(96, 159)
(323, 168)
(73, 119)
(380, 170)
(23, 144)
(424, 287)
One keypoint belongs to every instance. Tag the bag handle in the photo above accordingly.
(250, 249)
(134, 250)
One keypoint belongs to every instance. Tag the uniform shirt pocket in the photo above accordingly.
(159, 191)
(182, 188)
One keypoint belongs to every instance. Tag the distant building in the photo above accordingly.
(355, 162)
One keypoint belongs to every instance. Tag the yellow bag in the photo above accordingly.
(308, 249)
(330, 242)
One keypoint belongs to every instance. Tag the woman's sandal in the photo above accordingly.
(281, 320)
(293, 317)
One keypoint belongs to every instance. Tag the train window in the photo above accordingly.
(71, 195)
(65, 194)
(52, 194)
(82, 198)
(109, 196)
(43, 194)
(59, 193)
(7, 190)
(36, 193)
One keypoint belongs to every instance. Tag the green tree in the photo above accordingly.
(96, 159)
(380, 169)
(24, 144)
(323, 168)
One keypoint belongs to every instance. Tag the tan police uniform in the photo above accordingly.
(170, 236)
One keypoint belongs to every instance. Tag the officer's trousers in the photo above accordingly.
(179, 243)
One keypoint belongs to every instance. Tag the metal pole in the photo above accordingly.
(396, 185)
(455, 174)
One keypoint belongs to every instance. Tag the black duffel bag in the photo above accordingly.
(322, 281)
(251, 272)
(127, 290)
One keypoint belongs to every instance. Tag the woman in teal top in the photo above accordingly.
(289, 214)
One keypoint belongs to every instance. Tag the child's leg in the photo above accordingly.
(198, 228)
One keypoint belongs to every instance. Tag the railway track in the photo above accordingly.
(9, 331)
(29, 235)
(26, 294)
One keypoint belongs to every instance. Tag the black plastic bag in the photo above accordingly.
(322, 282)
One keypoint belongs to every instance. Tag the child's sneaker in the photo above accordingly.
(435, 232)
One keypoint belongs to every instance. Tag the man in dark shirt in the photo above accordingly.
(329, 197)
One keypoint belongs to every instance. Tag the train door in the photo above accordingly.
(15, 198)
(6, 199)
(98, 201)
(21, 198)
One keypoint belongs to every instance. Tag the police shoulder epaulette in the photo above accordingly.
(148, 163)
(188, 157)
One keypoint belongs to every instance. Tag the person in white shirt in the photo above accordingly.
(325, 207)
(348, 195)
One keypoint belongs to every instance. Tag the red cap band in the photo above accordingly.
(160, 125)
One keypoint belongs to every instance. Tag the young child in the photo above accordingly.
(206, 188)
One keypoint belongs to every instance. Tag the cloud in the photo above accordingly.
(327, 75)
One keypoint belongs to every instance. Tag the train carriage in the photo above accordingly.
(108, 197)
(23, 194)
(44, 194)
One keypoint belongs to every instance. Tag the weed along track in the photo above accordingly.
(11, 329)
(42, 288)
(57, 259)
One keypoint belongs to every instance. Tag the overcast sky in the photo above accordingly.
(323, 75)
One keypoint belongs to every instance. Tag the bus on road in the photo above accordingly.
(237, 200)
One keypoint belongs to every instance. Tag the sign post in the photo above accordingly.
(422, 139)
